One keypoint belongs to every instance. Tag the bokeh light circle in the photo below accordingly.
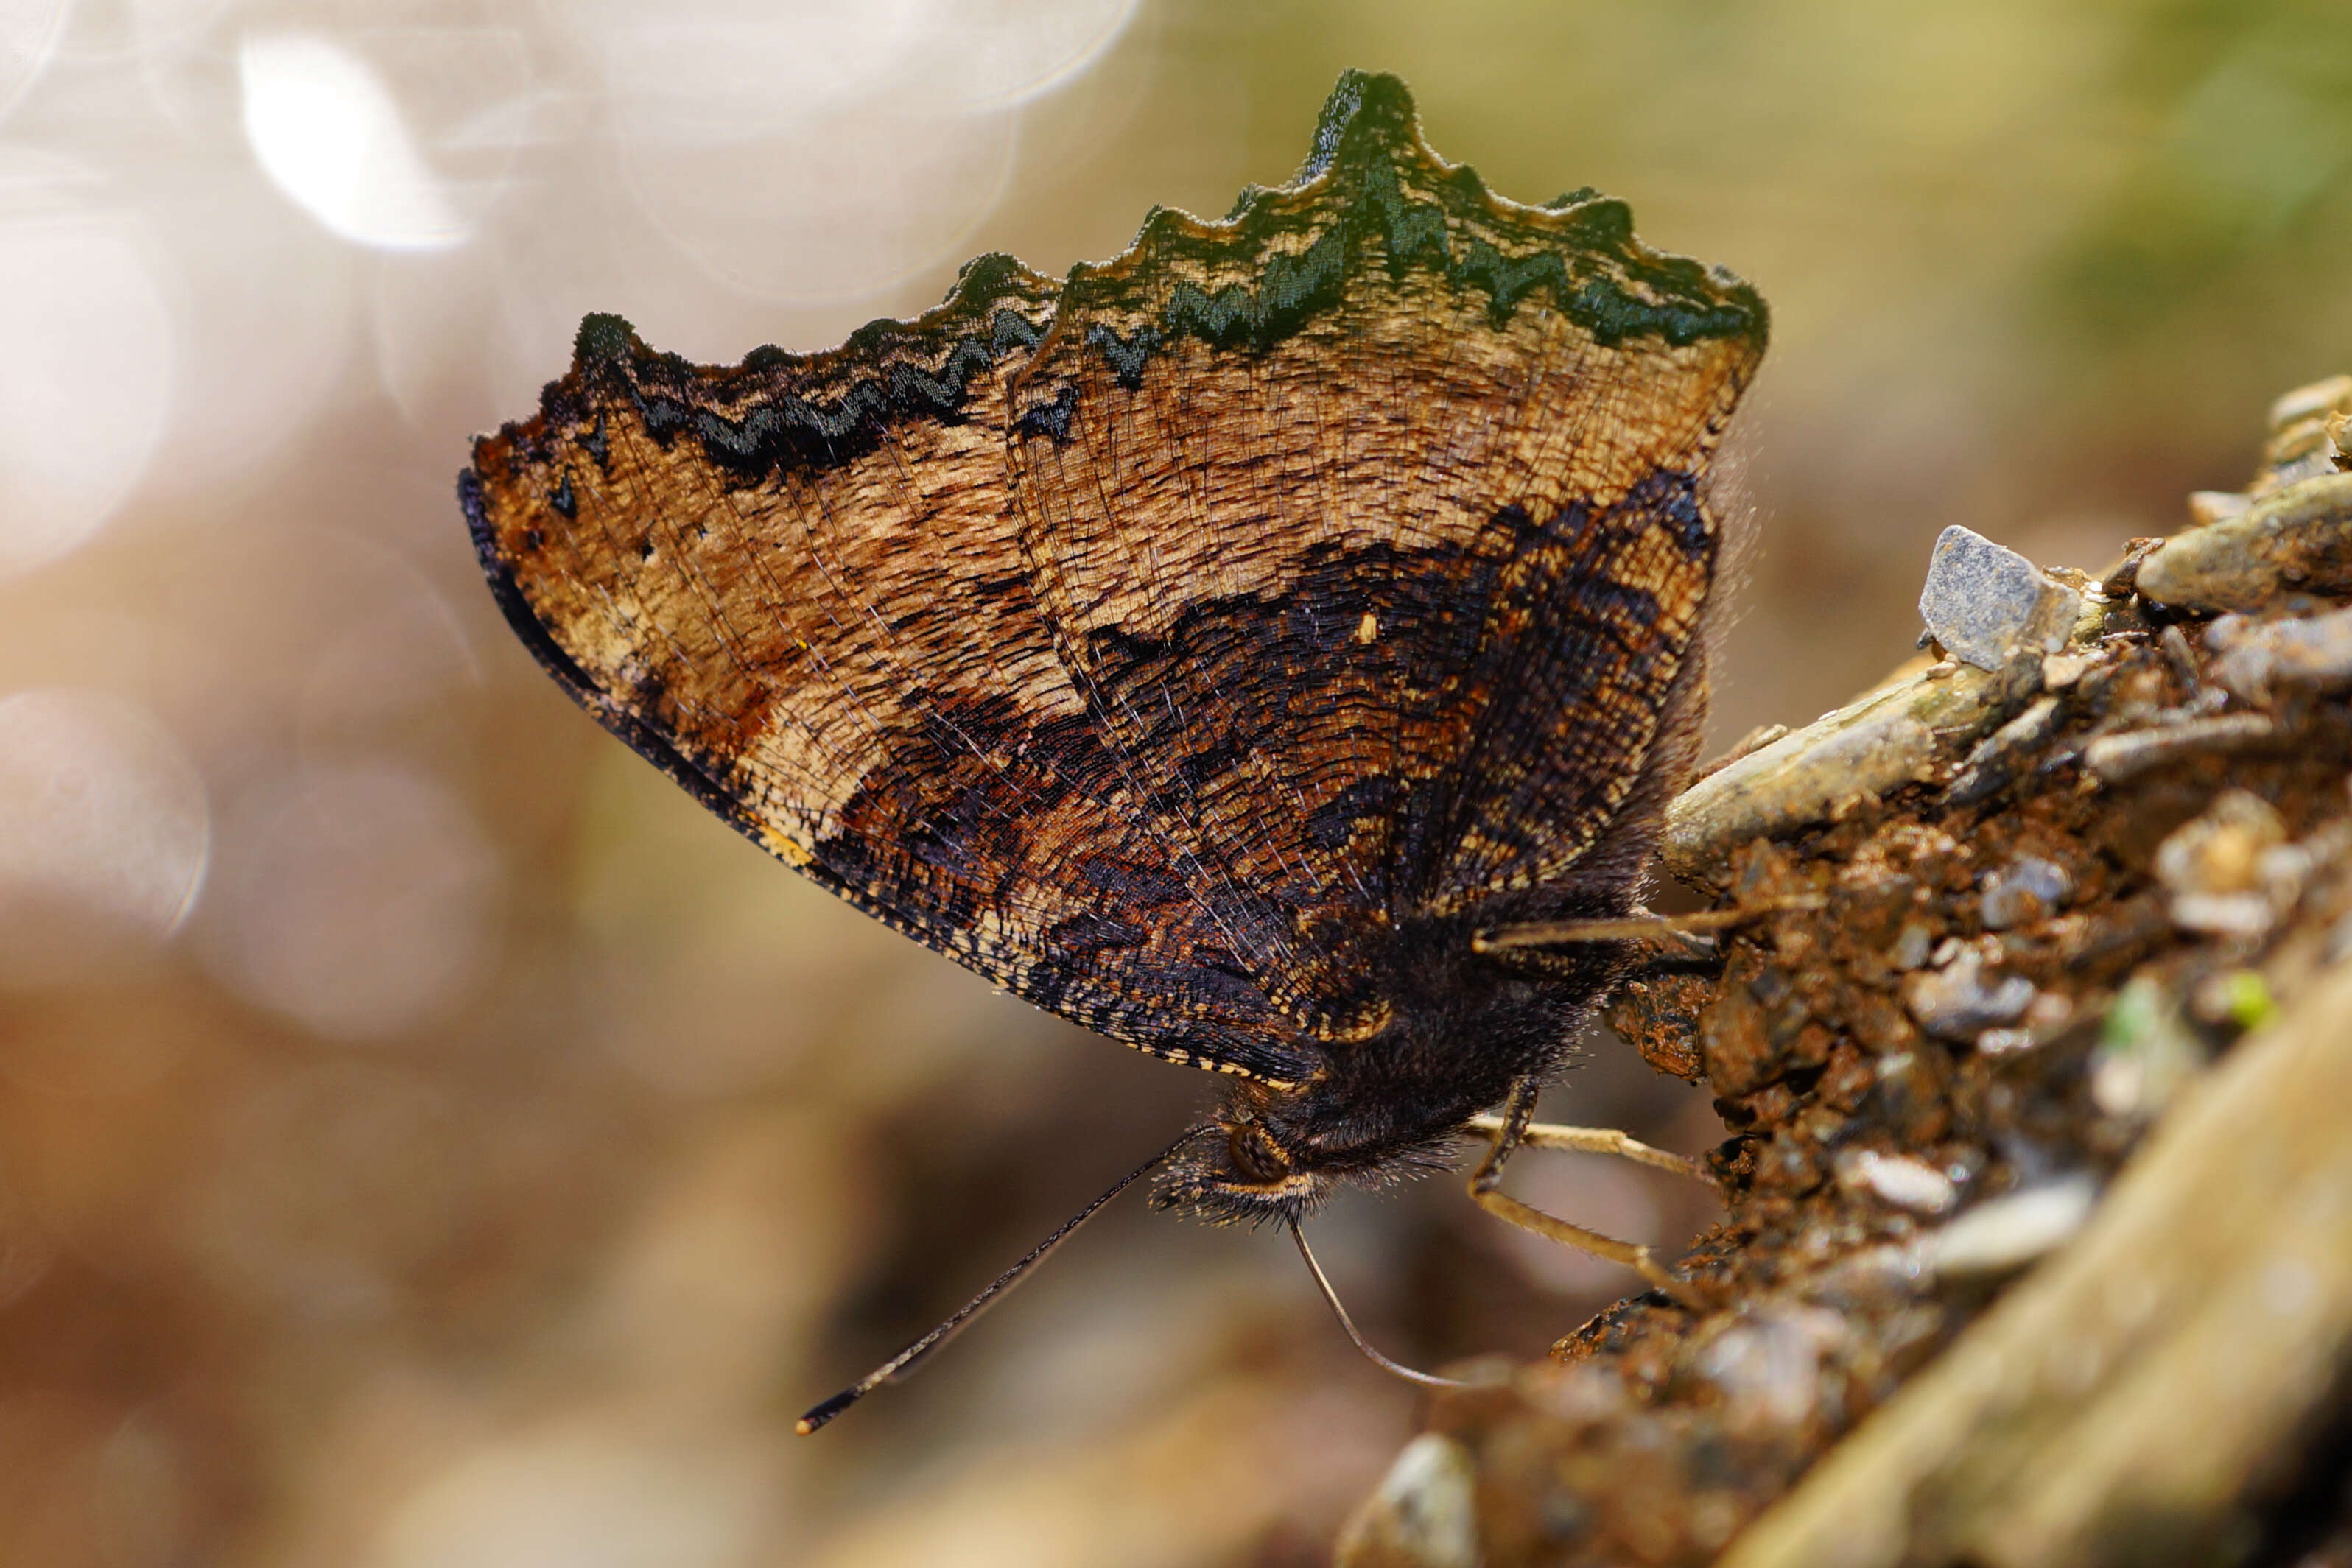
(359, 900)
(104, 833)
(86, 382)
(29, 30)
(849, 209)
(328, 130)
(985, 53)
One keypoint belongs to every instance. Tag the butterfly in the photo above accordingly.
(1209, 647)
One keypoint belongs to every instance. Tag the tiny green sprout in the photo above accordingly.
(2251, 1002)
(2133, 1017)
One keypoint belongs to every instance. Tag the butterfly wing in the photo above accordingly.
(795, 586)
(1148, 645)
(1370, 522)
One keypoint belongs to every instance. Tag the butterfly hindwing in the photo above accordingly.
(1370, 518)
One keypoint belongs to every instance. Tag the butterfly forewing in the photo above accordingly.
(794, 585)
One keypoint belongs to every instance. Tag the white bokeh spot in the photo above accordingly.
(86, 382)
(330, 133)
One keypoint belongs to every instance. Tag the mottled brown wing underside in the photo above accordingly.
(1148, 644)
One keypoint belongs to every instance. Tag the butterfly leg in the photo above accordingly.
(1511, 1130)
(1596, 1141)
(1693, 934)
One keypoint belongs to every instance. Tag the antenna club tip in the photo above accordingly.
(826, 1412)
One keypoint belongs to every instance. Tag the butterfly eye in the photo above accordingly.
(1255, 1156)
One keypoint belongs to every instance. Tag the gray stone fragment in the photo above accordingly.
(2005, 1233)
(1766, 1365)
(1961, 1000)
(2024, 891)
(1424, 1514)
(1985, 604)
(1903, 1180)
(1906, 731)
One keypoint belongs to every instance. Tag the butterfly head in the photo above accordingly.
(1388, 1103)
(1277, 1153)
(1241, 1169)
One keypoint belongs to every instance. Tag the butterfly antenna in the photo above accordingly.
(904, 1363)
(1425, 1379)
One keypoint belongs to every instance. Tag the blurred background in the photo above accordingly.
(427, 1138)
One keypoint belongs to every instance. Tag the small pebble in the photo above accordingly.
(1872, 1277)
(2005, 1041)
(2008, 1232)
(1768, 1365)
(2181, 658)
(1912, 944)
(1577, 1391)
(1983, 602)
(2024, 891)
(2215, 867)
(2124, 580)
(1424, 1514)
(1898, 1179)
(2208, 506)
(1959, 1001)
(2050, 1011)
(2296, 452)
(2059, 671)
(2224, 913)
